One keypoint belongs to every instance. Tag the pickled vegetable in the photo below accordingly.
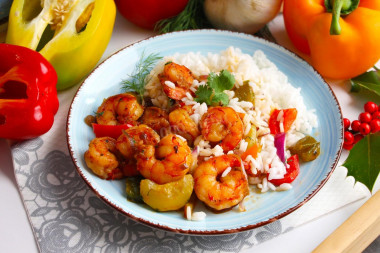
(245, 93)
(133, 189)
(307, 148)
(167, 197)
(251, 137)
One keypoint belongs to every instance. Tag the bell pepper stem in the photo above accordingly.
(335, 28)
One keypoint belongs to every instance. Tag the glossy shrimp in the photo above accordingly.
(183, 125)
(180, 79)
(119, 109)
(101, 158)
(222, 125)
(156, 118)
(129, 142)
(220, 182)
(169, 161)
(133, 138)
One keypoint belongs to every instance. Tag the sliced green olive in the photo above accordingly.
(307, 148)
(245, 92)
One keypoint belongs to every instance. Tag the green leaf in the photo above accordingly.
(204, 94)
(220, 98)
(363, 162)
(212, 93)
(224, 81)
(369, 80)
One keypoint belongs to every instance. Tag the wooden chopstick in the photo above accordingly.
(357, 232)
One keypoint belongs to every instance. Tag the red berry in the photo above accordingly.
(357, 138)
(348, 146)
(370, 107)
(365, 128)
(375, 125)
(348, 137)
(346, 123)
(365, 117)
(355, 125)
(376, 115)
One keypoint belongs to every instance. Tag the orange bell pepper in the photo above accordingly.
(343, 56)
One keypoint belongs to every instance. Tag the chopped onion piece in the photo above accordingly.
(279, 143)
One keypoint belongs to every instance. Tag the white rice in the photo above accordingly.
(272, 91)
(226, 171)
(198, 216)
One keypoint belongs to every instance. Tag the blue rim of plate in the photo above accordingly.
(145, 220)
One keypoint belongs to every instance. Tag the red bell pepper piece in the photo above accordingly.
(292, 171)
(28, 94)
(289, 115)
(113, 131)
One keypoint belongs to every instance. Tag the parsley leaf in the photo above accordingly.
(204, 94)
(212, 92)
(224, 81)
(220, 97)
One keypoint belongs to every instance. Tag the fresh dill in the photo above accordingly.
(137, 80)
(192, 17)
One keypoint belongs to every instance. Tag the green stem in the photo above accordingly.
(336, 9)
(339, 8)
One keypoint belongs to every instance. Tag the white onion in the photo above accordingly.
(246, 16)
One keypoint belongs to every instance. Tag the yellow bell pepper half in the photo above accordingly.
(71, 34)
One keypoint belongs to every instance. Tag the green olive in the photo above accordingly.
(245, 93)
(307, 148)
(133, 189)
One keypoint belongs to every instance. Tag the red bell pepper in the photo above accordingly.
(289, 115)
(292, 171)
(28, 94)
(113, 131)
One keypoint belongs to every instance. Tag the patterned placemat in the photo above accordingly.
(66, 216)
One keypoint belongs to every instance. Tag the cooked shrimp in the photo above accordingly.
(134, 137)
(101, 159)
(156, 118)
(168, 162)
(183, 125)
(222, 125)
(119, 109)
(217, 190)
(179, 76)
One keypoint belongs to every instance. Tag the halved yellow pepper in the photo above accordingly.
(71, 34)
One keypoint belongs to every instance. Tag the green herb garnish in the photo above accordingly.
(212, 93)
(192, 17)
(138, 78)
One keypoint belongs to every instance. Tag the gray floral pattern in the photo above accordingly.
(68, 217)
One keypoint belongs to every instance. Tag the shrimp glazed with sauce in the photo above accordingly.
(218, 128)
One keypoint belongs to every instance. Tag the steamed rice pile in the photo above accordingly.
(272, 91)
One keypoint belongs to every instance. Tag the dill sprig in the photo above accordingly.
(138, 78)
(192, 17)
